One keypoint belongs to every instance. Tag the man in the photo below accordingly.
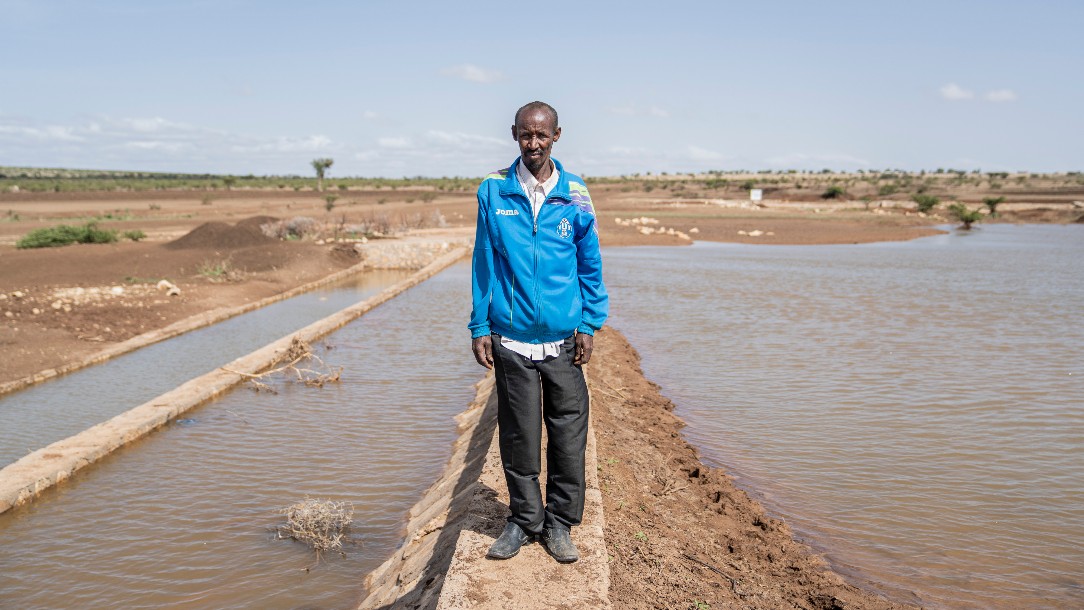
(538, 300)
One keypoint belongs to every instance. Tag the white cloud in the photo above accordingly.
(697, 153)
(155, 143)
(462, 140)
(954, 92)
(473, 73)
(394, 142)
(152, 125)
(369, 115)
(317, 143)
(659, 112)
(627, 151)
(819, 161)
(1000, 95)
(53, 133)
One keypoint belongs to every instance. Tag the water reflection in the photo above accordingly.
(184, 518)
(913, 408)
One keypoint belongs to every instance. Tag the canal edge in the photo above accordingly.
(25, 479)
(185, 325)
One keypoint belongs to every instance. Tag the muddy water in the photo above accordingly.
(915, 410)
(43, 414)
(183, 518)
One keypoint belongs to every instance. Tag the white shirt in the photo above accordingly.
(536, 193)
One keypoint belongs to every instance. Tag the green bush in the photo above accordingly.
(925, 202)
(887, 189)
(135, 235)
(992, 203)
(960, 212)
(63, 235)
(834, 192)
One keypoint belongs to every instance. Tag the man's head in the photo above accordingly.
(536, 130)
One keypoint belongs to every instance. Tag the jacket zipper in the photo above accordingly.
(537, 289)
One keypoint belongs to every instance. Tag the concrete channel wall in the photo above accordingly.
(390, 254)
(26, 479)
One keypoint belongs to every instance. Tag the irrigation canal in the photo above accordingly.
(42, 414)
(186, 517)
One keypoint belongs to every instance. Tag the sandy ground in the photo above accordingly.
(119, 299)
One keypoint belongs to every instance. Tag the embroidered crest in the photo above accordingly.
(564, 229)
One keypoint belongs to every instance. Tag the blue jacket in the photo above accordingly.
(536, 281)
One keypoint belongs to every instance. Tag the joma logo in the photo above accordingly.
(501, 212)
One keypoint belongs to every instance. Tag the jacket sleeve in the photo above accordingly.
(596, 303)
(482, 274)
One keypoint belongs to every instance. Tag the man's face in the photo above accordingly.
(535, 133)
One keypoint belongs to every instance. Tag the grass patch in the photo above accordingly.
(217, 271)
(135, 235)
(63, 235)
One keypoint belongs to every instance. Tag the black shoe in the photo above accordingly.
(508, 544)
(558, 542)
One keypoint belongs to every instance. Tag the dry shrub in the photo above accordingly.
(298, 351)
(298, 227)
(321, 524)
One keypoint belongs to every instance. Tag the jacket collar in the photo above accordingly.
(510, 185)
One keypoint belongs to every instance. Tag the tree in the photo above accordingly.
(925, 202)
(960, 212)
(321, 165)
(992, 203)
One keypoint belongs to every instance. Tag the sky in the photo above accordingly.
(395, 88)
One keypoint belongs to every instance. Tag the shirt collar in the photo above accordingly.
(531, 183)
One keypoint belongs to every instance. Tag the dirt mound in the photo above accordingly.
(220, 235)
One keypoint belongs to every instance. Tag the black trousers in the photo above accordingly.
(528, 393)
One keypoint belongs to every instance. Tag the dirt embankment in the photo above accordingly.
(677, 534)
(680, 532)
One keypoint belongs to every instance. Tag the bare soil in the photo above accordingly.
(680, 532)
(209, 245)
(60, 305)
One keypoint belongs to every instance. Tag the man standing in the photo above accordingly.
(538, 300)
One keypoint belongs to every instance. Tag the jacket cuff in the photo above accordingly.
(480, 331)
(585, 329)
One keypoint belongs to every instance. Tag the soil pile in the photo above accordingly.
(680, 533)
(220, 235)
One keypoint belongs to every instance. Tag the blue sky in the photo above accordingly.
(429, 88)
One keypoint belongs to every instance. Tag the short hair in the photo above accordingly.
(536, 105)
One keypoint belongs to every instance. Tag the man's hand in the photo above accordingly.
(483, 350)
(585, 344)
